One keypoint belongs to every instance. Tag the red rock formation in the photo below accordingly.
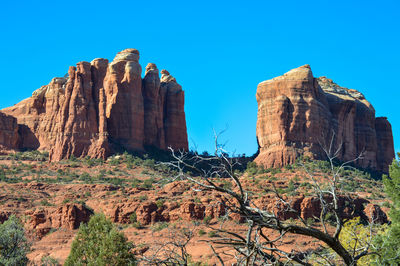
(68, 216)
(101, 108)
(385, 153)
(125, 111)
(153, 108)
(375, 214)
(174, 114)
(299, 115)
(9, 137)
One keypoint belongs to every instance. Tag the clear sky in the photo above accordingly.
(217, 50)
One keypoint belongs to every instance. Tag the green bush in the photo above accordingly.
(133, 217)
(387, 243)
(49, 261)
(13, 244)
(159, 226)
(160, 203)
(207, 219)
(212, 234)
(100, 243)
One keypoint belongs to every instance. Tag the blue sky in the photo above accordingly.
(217, 50)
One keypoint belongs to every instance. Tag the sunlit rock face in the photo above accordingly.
(302, 115)
(100, 108)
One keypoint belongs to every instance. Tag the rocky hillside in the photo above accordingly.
(140, 196)
(97, 109)
(300, 115)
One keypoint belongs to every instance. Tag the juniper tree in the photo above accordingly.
(100, 243)
(13, 243)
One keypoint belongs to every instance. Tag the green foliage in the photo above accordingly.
(160, 203)
(355, 237)
(207, 219)
(148, 183)
(49, 261)
(45, 202)
(30, 156)
(133, 220)
(13, 244)
(212, 234)
(252, 168)
(387, 243)
(133, 217)
(159, 226)
(100, 243)
(143, 197)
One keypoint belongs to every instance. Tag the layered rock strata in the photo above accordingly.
(302, 115)
(101, 108)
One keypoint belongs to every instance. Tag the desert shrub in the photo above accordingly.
(207, 219)
(291, 189)
(45, 202)
(150, 163)
(13, 244)
(201, 232)
(114, 160)
(143, 197)
(133, 217)
(49, 261)
(72, 158)
(148, 183)
(134, 222)
(30, 156)
(100, 243)
(252, 168)
(159, 226)
(85, 177)
(212, 234)
(160, 203)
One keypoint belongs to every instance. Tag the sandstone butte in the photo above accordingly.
(99, 108)
(300, 115)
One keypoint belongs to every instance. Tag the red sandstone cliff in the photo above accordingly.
(101, 108)
(9, 138)
(298, 114)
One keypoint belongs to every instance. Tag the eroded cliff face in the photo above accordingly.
(101, 108)
(9, 138)
(300, 115)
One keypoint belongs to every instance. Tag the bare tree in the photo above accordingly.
(171, 252)
(258, 247)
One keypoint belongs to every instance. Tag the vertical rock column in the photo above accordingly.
(99, 147)
(124, 109)
(384, 137)
(78, 122)
(153, 108)
(174, 112)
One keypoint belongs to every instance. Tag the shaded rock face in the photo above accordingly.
(99, 109)
(9, 138)
(300, 115)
